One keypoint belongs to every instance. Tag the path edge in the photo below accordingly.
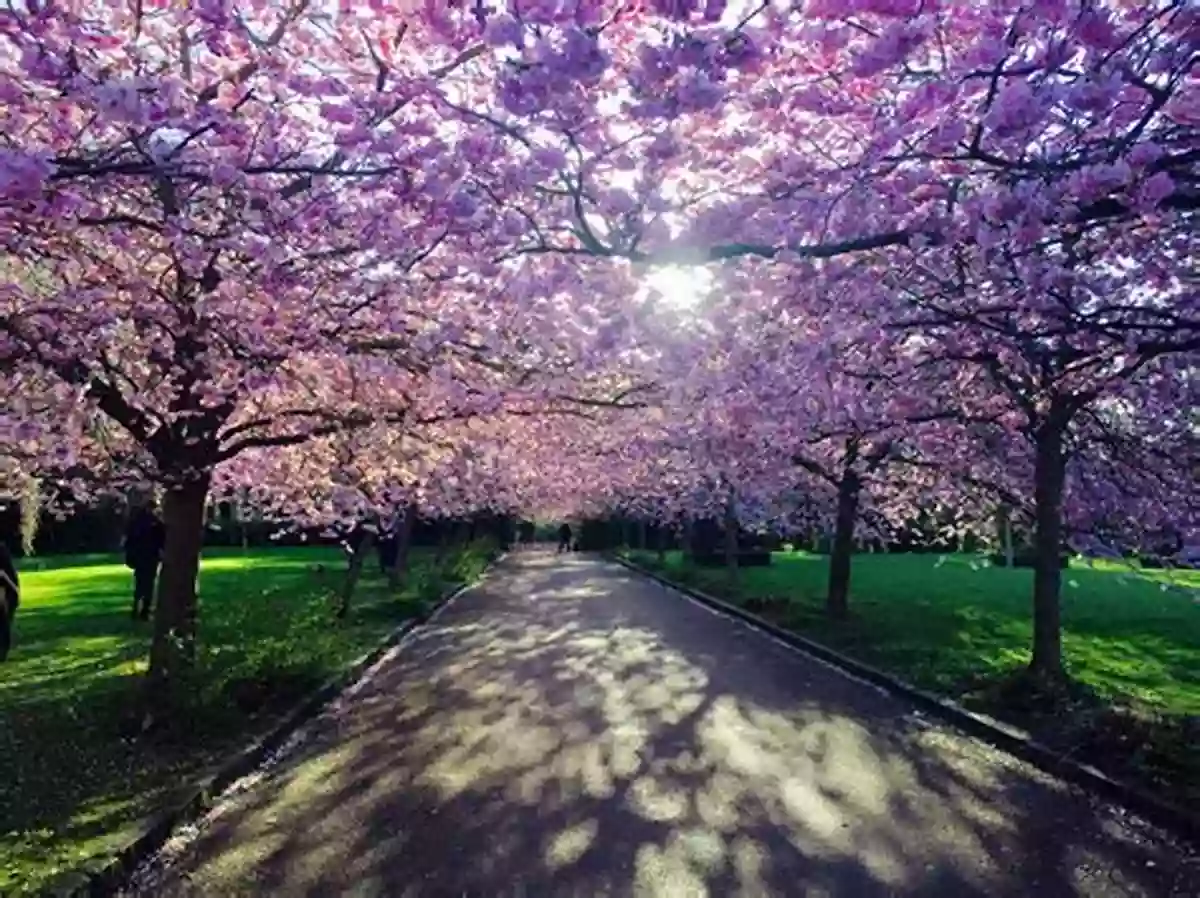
(106, 879)
(983, 727)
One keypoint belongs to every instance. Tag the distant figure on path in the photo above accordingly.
(10, 598)
(564, 538)
(144, 538)
(389, 549)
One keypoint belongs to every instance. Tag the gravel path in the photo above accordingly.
(571, 729)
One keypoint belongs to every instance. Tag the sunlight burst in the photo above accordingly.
(681, 287)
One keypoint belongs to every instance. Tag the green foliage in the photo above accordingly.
(468, 564)
(425, 582)
(76, 774)
(953, 625)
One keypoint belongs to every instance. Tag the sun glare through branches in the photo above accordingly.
(680, 287)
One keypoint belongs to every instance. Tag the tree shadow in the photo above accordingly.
(76, 775)
(569, 729)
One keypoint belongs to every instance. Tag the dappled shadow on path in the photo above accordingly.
(569, 729)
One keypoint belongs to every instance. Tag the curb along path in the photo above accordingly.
(111, 876)
(995, 732)
(569, 727)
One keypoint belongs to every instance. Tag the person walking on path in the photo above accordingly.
(564, 538)
(10, 598)
(144, 539)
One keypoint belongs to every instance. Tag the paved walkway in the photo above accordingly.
(570, 729)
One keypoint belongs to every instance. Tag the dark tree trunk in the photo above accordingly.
(173, 649)
(731, 536)
(688, 532)
(837, 602)
(1004, 526)
(1049, 478)
(399, 571)
(661, 544)
(445, 533)
(354, 572)
(641, 535)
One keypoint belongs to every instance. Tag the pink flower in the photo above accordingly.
(119, 101)
(463, 205)
(581, 56)
(1144, 154)
(549, 158)
(502, 30)
(542, 12)
(699, 93)
(1016, 108)
(664, 146)
(225, 174)
(23, 174)
(890, 49)
(1154, 190)
(10, 90)
(1095, 29)
(336, 112)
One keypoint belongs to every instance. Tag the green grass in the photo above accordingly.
(75, 781)
(952, 626)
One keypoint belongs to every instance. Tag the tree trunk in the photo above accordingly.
(837, 602)
(1006, 535)
(173, 649)
(661, 544)
(641, 535)
(399, 571)
(687, 537)
(731, 536)
(30, 507)
(445, 532)
(354, 572)
(1049, 478)
(243, 520)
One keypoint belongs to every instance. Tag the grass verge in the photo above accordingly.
(77, 780)
(956, 627)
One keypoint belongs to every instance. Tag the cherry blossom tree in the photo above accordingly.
(243, 227)
(214, 210)
(1039, 159)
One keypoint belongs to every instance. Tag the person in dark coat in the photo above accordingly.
(564, 538)
(528, 532)
(144, 538)
(10, 598)
(389, 549)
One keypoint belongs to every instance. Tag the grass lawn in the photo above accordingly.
(74, 784)
(954, 625)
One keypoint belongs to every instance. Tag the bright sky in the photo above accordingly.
(682, 287)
